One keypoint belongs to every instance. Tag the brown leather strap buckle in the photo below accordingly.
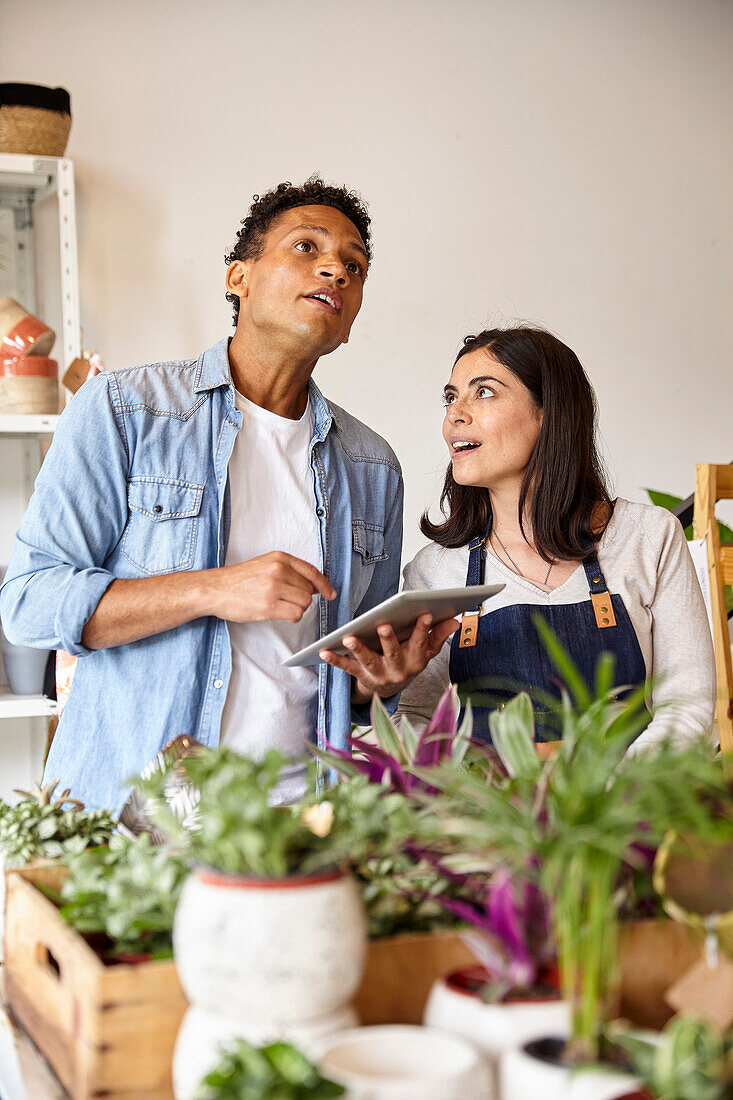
(603, 609)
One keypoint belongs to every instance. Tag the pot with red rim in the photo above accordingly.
(264, 959)
(282, 948)
(455, 1004)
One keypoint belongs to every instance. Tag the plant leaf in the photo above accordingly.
(512, 731)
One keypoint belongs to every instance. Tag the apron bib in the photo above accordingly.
(508, 655)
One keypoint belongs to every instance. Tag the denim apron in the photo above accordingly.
(508, 655)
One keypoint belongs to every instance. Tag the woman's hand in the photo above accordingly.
(391, 670)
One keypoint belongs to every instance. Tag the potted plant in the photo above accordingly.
(269, 935)
(45, 826)
(571, 823)
(689, 1060)
(510, 992)
(277, 1071)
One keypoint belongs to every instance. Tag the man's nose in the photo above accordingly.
(331, 267)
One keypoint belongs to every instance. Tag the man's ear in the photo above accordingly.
(237, 278)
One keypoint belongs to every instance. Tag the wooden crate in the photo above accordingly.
(106, 1030)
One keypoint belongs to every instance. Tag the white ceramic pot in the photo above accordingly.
(400, 1062)
(495, 1028)
(202, 1034)
(524, 1075)
(270, 950)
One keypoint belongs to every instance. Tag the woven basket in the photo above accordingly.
(34, 119)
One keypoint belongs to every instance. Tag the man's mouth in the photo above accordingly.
(326, 298)
(463, 446)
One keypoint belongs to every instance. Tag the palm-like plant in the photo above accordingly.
(571, 823)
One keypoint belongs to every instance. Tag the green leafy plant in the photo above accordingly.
(45, 826)
(277, 1071)
(237, 830)
(670, 502)
(573, 822)
(689, 1061)
(128, 892)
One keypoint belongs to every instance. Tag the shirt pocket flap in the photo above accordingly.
(162, 498)
(369, 541)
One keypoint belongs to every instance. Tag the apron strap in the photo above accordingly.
(600, 597)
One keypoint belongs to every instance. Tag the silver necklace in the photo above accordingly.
(511, 559)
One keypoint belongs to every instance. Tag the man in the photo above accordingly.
(196, 522)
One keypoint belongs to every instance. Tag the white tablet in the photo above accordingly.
(401, 612)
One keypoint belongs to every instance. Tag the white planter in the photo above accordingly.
(405, 1063)
(495, 1028)
(202, 1034)
(523, 1075)
(270, 951)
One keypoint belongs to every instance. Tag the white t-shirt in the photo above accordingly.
(272, 508)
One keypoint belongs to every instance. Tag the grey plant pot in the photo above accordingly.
(24, 667)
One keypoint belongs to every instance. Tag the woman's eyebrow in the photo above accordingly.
(481, 380)
(484, 378)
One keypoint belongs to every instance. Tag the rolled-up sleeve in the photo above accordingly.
(75, 519)
(384, 583)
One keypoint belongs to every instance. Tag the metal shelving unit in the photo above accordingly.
(25, 183)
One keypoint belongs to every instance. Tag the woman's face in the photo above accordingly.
(488, 408)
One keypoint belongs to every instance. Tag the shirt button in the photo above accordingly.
(319, 511)
(218, 683)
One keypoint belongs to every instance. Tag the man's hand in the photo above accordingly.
(272, 586)
(391, 670)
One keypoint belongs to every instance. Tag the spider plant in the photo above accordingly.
(573, 822)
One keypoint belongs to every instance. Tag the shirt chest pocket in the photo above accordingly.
(160, 536)
(368, 542)
(368, 548)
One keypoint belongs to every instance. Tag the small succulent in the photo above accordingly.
(690, 1061)
(128, 891)
(43, 825)
(277, 1071)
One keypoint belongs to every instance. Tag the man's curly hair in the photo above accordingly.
(266, 208)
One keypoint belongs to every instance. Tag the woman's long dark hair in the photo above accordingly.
(564, 479)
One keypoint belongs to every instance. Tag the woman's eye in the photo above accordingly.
(304, 246)
(484, 391)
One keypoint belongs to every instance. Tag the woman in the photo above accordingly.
(526, 505)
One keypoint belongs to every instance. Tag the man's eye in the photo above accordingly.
(448, 399)
(352, 265)
(304, 246)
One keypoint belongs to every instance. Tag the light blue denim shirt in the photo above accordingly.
(135, 485)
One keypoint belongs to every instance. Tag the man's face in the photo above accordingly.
(308, 282)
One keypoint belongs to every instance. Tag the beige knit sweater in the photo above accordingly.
(644, 557)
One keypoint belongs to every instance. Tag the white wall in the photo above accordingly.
(563, 161)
